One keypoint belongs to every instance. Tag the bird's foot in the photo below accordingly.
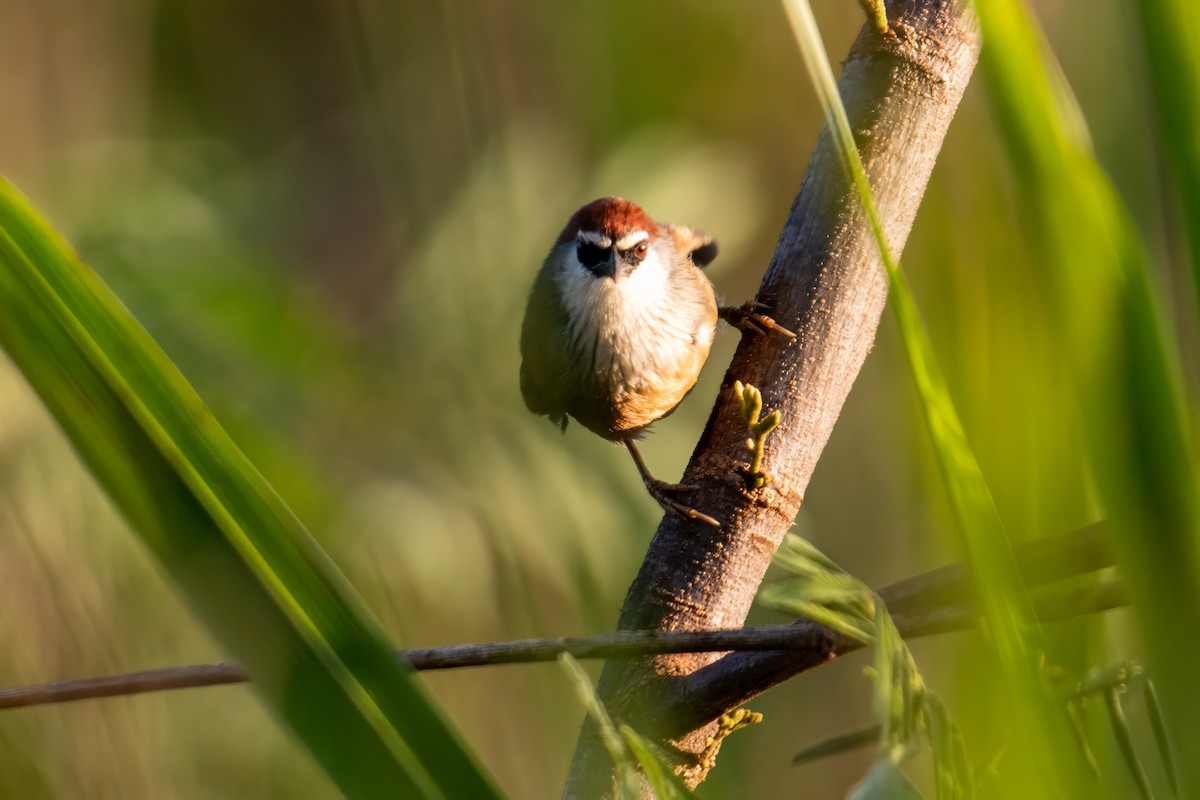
(661, 491)
(747, 317)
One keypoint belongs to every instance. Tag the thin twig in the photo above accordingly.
(934, 602)
(1074, 554)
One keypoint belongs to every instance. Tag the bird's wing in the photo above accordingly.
(699, 246)
(545, 361)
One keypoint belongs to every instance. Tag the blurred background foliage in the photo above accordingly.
(329, 215)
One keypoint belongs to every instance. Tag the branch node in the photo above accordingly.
(759, 426)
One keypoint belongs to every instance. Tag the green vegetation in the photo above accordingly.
(330, 226)
(247, 567)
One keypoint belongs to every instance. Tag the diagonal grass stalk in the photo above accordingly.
(1007, 609)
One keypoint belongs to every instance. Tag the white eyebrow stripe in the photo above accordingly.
(630, 239)
(591, 237)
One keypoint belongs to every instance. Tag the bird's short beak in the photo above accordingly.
(609, 268)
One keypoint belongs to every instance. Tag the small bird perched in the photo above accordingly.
(619, 322)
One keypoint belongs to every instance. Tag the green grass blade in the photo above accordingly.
(1006, 607)
(245, 564)
(627, 782)
(666, 784)
(909, 714)
(1171, 34)
(1124, 368)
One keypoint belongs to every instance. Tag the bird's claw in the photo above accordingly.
(661, 491)
(747, 318)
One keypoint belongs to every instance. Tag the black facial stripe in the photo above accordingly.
(591, 256)
(594, 258)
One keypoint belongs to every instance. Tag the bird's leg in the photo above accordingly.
(661, 491)
(747, 318)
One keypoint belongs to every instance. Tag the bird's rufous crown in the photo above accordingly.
(612, 216)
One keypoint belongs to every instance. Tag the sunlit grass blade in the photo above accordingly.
(1125, 369)
(627, 749)
(821, 591)
(1171, 37)
(910, 716)
(627, 781)
(838, 619)
(665, 783)
(1006, 607)
(244, 563)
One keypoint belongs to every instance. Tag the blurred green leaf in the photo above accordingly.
(243, 561)
(1171, 38)
(1112, 332)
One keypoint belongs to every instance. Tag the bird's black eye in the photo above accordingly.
(591, 255)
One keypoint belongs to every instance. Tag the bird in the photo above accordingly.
(619, 323)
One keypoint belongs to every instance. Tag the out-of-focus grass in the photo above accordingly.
(1123, 362)
(1042, 746)
(1171, 38)
(244, 562)
(227, 186)
(476, 515)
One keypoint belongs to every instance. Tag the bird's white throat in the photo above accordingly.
(630, 305)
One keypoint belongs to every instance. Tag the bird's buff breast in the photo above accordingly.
(638, 365)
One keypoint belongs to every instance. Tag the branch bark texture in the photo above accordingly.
(827, 283)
